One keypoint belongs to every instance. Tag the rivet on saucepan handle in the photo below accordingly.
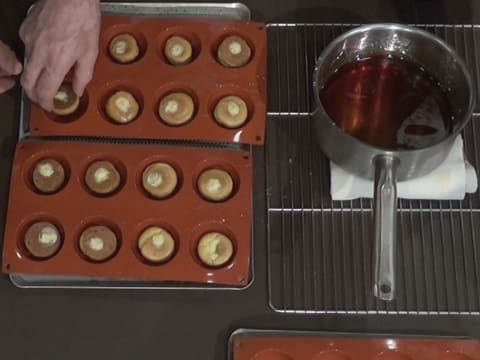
(385, 218)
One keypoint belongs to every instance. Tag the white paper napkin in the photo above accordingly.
(450, 181)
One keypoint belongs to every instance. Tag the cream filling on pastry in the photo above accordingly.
(233, 109)
(120, 47)
(46, 169)
(101, 175)
(235, 48)
(171, 107)
(96, 244)
(154, 179)
(61, 96)
(214, 185)
(177, 50)
(48, 236)
(158, 240)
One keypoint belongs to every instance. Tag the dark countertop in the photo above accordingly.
(79, 324)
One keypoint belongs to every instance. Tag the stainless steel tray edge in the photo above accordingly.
(71, 282)
(235, 10)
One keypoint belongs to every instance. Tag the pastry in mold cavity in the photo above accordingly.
(159, 180)
(65, 101)
(234, 52)
(48, 176)
(231, 112)
(102, 178)
(178, 50)
(42, 239)
(215, 249)
(98, 243)
(156, 244)
(215, 184)
(122, 107)
(123, 48)
(176, 109)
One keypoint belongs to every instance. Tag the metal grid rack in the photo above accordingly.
(320, 251)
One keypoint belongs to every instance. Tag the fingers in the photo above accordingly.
(4, 73)
(23, 33)
(6, 84)
(45, 89)
(27, 28)
(9, 63)
(84, 72)
(33, 69)
(9, 66)
(43, 75)
(49, 81)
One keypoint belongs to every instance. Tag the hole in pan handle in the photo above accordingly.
(385, 218)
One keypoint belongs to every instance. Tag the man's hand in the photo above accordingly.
(59, 34)
(9, 67)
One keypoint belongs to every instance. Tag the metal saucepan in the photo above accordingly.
(385, 167)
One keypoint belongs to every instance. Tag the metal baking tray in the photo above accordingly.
(234, 11)
(26, 281)
(250, 333)
(246, 334)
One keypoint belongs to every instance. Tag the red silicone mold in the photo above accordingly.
(309, 347)
(129, 211)
(151, 77)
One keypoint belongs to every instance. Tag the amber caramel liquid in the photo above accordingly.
(388, 102)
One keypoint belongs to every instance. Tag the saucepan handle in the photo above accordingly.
(385, 217)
